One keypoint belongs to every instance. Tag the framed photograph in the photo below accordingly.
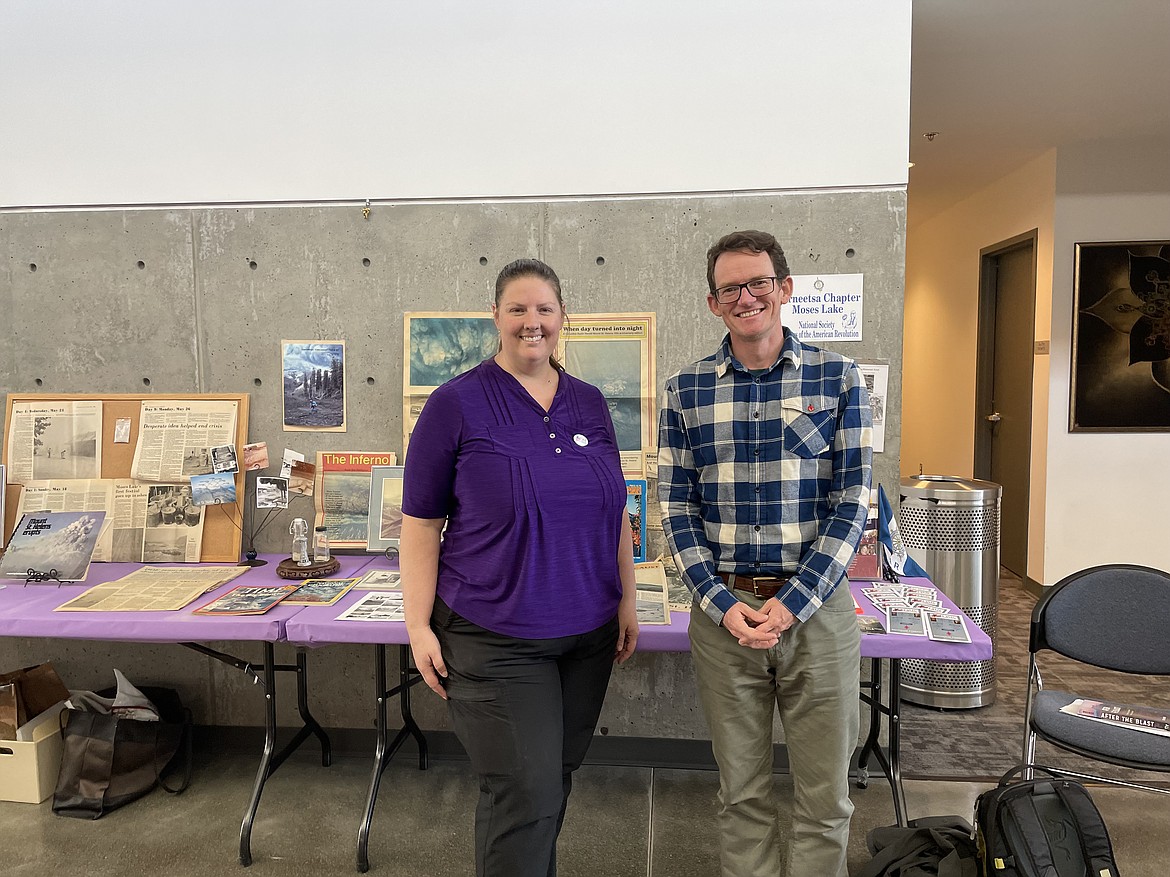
(314, 385)
(1120, 375)
(385, 508)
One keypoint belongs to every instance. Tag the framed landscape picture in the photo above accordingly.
(1120, 376)
(385, 508)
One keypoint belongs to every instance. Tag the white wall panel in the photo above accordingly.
(132, 102)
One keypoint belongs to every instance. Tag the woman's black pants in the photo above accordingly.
(525, 711)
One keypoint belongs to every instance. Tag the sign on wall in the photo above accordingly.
(825, 307)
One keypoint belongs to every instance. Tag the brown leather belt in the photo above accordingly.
(761, 586)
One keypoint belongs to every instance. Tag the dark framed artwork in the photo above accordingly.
(1121, 338)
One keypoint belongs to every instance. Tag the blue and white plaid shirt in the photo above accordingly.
(765, 475)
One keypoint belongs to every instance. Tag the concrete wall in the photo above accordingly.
(942, 305)
(197, 317)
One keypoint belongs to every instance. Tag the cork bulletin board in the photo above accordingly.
(222, 524)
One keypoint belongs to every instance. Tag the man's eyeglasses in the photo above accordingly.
(759, 287)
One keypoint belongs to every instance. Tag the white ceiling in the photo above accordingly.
(1003, 81)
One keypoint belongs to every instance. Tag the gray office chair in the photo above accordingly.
(1116, 617)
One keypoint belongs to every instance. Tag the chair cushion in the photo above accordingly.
(1111, 741)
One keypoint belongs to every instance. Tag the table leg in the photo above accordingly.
(311, 724)
(407, 678)
(269, 762)
(888, 758)
(384, 752)
(874, 699)
(266, 759)
(895, 765)
(363, 857)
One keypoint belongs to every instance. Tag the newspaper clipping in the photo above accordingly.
(175, 438)
(616, 353)
(152, 589)
(144, 522)
(54, 440)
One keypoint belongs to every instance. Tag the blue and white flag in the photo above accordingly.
(894, 556)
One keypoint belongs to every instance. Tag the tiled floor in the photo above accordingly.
(623, 822)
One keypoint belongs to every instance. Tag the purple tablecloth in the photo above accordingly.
(28, 610)
(673, 637)
(317, 626)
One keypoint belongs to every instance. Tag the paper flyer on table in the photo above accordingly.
(376, 606)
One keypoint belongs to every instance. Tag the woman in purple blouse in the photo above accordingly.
(518, 608)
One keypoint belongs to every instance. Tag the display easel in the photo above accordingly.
(222, 524)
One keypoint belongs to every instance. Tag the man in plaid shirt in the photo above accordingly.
(765, 451)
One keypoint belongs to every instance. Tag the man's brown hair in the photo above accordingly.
(747, 241)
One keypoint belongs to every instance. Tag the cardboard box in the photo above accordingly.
(28, 770)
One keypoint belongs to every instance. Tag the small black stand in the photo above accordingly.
(35, 577)
(250, 558)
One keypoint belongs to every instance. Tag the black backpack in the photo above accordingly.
(1043, 827)
(932, 845)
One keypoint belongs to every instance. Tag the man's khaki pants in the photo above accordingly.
(812, 675)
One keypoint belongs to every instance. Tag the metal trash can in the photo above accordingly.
(950, 526)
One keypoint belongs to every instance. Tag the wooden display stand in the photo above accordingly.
(222, 524)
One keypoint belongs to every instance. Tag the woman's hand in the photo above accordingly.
(428, 658)
(627, 638)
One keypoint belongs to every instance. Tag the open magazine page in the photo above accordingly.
(175, 438)
(50, 440)
(376, 606)
(678, 593)
(1150, 720)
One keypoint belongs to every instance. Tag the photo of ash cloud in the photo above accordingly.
(443, 347)
(615, 368)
